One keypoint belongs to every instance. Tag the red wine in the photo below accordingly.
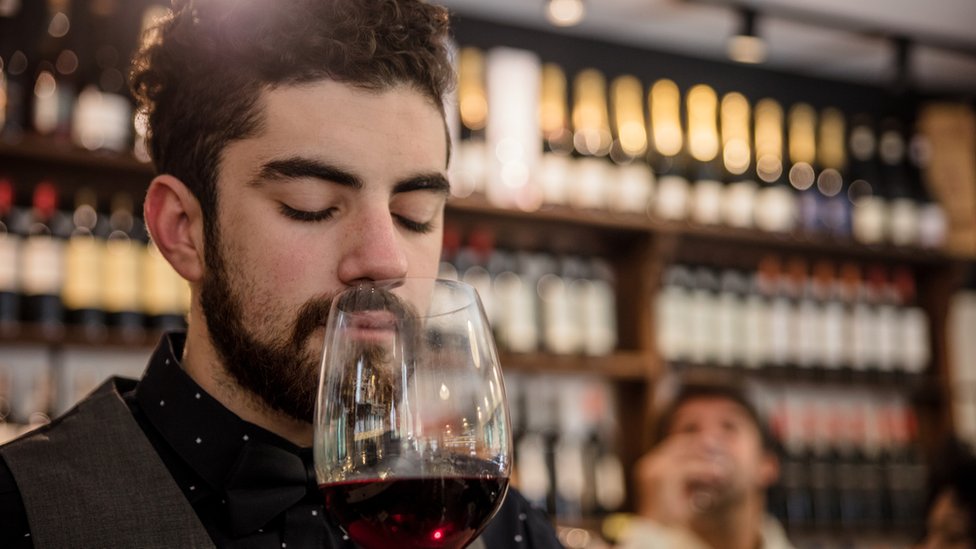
(422, 513)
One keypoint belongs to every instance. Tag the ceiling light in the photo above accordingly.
(565, 13)
(746, 46)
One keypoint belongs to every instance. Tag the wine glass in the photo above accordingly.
(412, 438)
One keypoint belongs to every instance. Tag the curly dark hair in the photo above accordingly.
(199, 78)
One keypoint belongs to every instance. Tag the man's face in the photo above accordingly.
(721, 432)
(343, 185)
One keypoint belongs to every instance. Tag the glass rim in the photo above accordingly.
(399, 282)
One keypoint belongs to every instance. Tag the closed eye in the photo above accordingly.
(306, 216)
(414, 226)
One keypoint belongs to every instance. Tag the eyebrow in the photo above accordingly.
(298, 167)
(301, 167)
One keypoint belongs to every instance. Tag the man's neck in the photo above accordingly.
(738, 527)
(203, 364)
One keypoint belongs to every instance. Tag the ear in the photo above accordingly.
(175, 222)
(768, 469)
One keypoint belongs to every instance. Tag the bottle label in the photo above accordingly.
(599, 314)
(781, 328)
(122, 275)
(635, 185)
(557, 316)
(933, 226)
(776, 209)
(469, 168)
(832, 330)
(887, 328)
(43, 266)
(863, 337)
(869, 218)
(672, 323)
(592, 175)
(552, 175)
(672, 198)
(83, 264)
(9, 262)
(914, 339)
(727, 343)
(739, 204)
(904, 222)
(706, 205)
(756, 320)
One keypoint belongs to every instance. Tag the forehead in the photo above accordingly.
(703, 408)
(400, 120)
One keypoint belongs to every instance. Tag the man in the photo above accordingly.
(301, 149)
(703, 483)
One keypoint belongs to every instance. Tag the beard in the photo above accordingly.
(283, 373)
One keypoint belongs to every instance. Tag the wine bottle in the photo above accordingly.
(738, 203)
(703, 148)
(124, 249)
(775, 202)
(672, 318)
(932, 222)
(833, 324)
(633, 182)
(729, 315)
(84, 261)
(869, 216)
(803, 174)
(11, 240)
(14, 84)
(886, 319)
(598, 309)
(782, 313)
(807, 336)
(556, 165)
(913, 350)
(43, 263)
(671, 201)
(892, 149)
(755, 322)
(835, 207)
(558, 308)
(469, 167)
(703, 318)
(592, 141)
(54, 92)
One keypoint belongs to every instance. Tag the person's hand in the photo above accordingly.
(679, 479)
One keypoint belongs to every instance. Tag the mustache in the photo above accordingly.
(315, 312)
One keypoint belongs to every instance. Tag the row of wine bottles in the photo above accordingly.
(38, 383)
(61, 72)
(788, 313)
(565, 460)
(850, 460)
(536, 301)
(88, 268)
(689, 157)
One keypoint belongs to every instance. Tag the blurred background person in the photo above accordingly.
(951, 521)
(703, 483)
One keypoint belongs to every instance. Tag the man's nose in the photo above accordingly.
(373, 249)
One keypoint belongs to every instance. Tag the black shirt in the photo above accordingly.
(201, 443)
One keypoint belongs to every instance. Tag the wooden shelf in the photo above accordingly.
(633, 366)
(72, 336)
(718, 236)
(36, 149)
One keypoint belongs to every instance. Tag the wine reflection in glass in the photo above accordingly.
(412, 440)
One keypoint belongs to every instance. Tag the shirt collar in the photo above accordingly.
(205, 434)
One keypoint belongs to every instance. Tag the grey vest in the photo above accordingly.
(92, 480)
